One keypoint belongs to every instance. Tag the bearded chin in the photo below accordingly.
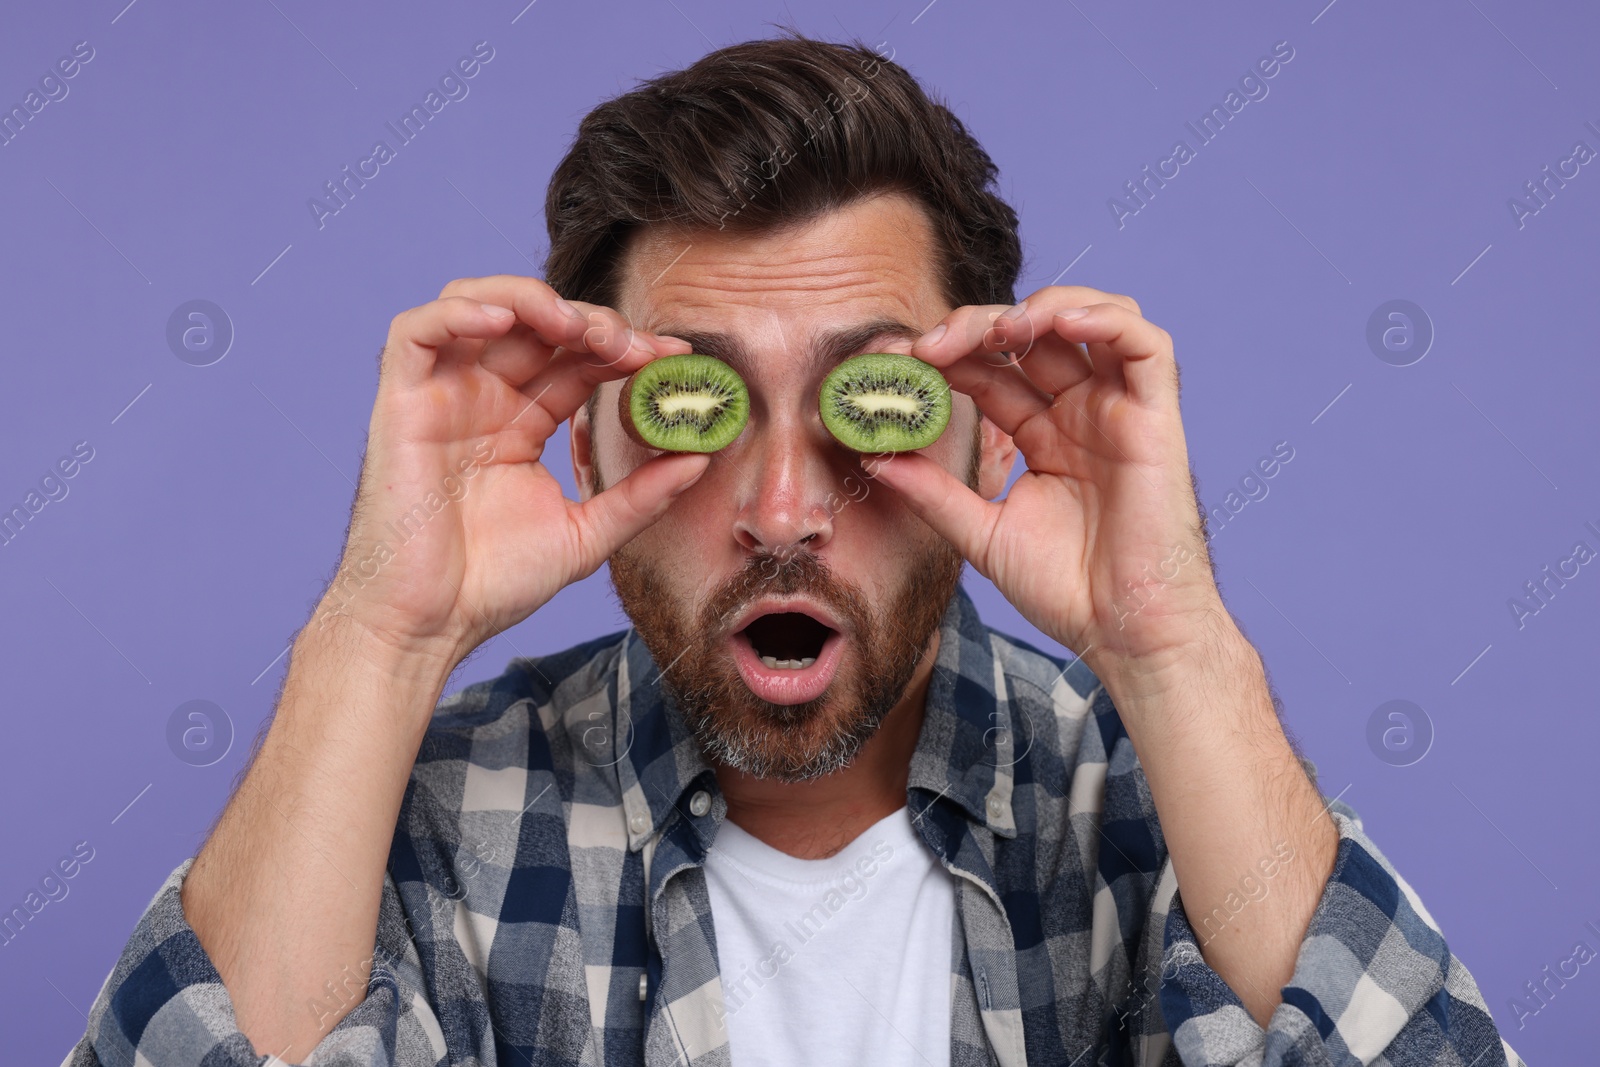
(787, 742)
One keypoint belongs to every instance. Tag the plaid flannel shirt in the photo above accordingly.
(546, 902)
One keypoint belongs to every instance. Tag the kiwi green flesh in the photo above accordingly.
(885, 402)
(689, 403)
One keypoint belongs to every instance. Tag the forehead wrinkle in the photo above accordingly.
(763, 287)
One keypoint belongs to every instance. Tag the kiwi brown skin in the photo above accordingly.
(739, 409)
(625, 413)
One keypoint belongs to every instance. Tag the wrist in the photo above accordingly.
(1212, 650)
(408, 656)
(339, 662)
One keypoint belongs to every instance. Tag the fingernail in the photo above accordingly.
(495, 311)
(932, 336)
(1072, 313)
(567, 309)
(696, 478)
(1016, 312)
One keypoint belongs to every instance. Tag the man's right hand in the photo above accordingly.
(459, 531)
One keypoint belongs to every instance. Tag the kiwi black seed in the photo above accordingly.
(689, 403)
(884, 402)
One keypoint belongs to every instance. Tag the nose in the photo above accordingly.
(787, 486)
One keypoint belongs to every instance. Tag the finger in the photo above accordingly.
(972, 327)
(577, 325)
(604, 335)
(1051, 362)
(1020, 335)
(552, 320)
(1140, 352)
(1079, 296)
(964, 331)
(943, 501)
(610, 519)
(541, 322)
(1139, 349)
(565, 383)
(416, 335)
(609, 338)
(1001, 392)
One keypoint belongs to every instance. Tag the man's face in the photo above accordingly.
(788, 598)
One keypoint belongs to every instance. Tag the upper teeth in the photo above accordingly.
(788, 664)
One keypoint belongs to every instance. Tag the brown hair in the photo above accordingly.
(769, 133)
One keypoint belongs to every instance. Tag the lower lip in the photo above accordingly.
(779, 686)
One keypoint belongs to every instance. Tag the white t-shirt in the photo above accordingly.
(838, 960)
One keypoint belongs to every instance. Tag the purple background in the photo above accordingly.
(1380, 165)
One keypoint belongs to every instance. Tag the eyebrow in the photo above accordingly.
(829, 348)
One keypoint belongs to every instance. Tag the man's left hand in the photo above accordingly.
(1098, 543)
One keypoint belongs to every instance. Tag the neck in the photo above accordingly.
(817, 818)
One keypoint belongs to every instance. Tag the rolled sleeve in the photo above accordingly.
(1374, 980)
(165, 1003)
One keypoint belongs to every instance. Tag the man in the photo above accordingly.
(809, 808)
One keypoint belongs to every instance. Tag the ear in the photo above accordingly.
(997, 454)
(579, 439)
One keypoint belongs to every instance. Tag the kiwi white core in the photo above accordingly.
(698, 403)
(876, 403)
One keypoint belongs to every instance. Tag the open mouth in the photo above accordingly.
(787, 657)
(787, 640)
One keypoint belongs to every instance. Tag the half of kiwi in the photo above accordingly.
(885, 402)
(689, 403)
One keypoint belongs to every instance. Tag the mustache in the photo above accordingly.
(784, 574)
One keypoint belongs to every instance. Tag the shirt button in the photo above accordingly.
(637, 823)
(644, 987)
(700, 803)
(997, 807)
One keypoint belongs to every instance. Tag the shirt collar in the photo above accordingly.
(964, 754)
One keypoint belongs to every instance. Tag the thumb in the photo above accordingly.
(611, 519)
(943, 501)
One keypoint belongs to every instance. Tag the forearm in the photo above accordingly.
(1251, 843)
(284, 895)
